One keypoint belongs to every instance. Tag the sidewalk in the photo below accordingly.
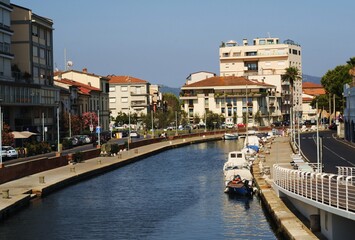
(279, 152)
(18, 193)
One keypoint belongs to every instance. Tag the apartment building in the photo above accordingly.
(96, 102)
(26, 87)
(155, 97)
(265, 60)
(128, 95)
(310, 91)
(233, 97)
(349, 111)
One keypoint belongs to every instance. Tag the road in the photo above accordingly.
(65, 152)
(335, 152)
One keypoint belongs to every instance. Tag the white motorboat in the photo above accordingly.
(230, 136)
(237, 175)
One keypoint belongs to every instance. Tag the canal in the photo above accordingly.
(177, 194)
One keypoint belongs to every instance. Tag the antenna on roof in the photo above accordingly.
(268, 33)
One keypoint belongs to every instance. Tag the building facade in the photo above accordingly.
(233, 97)
(310, 91)
(265, 60)
(129, 95)
(96, 102)
(349, 111)
(28, 99)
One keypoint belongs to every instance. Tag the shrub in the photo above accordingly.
(114, 148)
(78, 157)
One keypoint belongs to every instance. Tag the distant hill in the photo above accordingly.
(166, 89)
(313, 79)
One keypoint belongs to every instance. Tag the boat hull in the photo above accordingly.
(239, 189)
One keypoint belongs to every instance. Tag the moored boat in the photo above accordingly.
(230, 136)
(237, 176)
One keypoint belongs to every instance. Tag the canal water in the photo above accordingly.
(177, 194)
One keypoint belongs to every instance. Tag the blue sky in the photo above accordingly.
(164, 41)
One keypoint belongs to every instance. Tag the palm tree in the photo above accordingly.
(292, 75)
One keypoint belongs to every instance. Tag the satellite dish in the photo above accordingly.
(69, 63)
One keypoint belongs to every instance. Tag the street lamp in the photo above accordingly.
(0, 134)
(317, 141)
(176, 127)
(58, 137)
(98, 128)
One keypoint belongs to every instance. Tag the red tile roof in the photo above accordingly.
(124, 79)
(313, 89)
(311, 85)
(83, 88)
(226, 81)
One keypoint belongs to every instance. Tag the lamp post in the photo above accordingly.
(58, 137)
(43, 132)
(69, 124)
(98, 128)
(0, 134)
(176, 127)
(152, 113)
(317, 140)
(129, 126)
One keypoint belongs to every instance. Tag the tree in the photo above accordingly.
(334, 80)
(76, 125)
(121, 119)
(7, 137)
(89, 118)
(291, 75)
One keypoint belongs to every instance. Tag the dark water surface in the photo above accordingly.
(177, 194)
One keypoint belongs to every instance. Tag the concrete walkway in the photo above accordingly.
(18, 193)
(278, 151)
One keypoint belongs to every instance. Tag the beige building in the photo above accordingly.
(156, 97)
(265, 60)
(97, 102)
(232, 97)
(28, 97)
(128, 95)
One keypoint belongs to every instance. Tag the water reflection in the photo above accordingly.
(177, 194)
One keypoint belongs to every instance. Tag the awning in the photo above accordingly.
(23, 134)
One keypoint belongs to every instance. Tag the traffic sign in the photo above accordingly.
(98, 129)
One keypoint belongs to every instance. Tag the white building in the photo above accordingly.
(128, 95)
(266, 59)
(232, 97)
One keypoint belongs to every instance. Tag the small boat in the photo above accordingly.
(237, 176)
(239, 186)
(230, 136)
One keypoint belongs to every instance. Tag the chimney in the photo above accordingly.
(85, 70)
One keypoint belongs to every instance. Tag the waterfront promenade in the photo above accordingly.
(18, 193)
(278, 151)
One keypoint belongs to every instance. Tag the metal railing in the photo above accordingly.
(333, 190)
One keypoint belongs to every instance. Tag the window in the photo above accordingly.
(252, 66)
(41, 53)
(294, 51)
(124, 88)
(34, 30)
(223, 110)
(262, 42)
(225, 54)
(112, 100)
(124, 100)
(112, 89)
(35, 51)
(138, 90)
(250, 53)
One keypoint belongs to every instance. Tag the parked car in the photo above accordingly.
(9, 152)
(134, 134)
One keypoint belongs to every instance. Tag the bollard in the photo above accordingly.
(5, 193)
(99, 161)
(72, 169)
(170, 142)
(119, 155)
(41, 179)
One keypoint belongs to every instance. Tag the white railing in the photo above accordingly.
(334, 190)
